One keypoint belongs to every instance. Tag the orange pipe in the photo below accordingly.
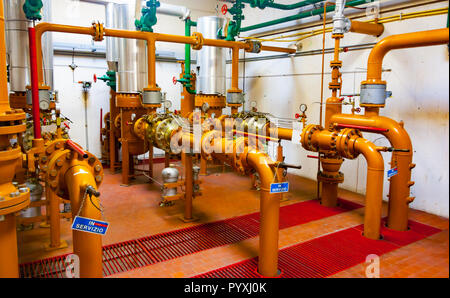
(150, 37)
(401, 41)
(235, 71)
(367, 28)
(189, 184)
(374, 187)
(87, 246)
(277, 49)
(399, 189)
(269, 214)
(9, 259)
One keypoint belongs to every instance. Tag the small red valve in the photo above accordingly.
(358, 110)
(342, 98)
(224, 9)
(297, 116)
(174, 80)
(345, 50)
(66, 125)
(95, 78)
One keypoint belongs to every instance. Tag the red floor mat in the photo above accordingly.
(133, 254)
(329, 254)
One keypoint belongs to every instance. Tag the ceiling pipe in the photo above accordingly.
(295, 24)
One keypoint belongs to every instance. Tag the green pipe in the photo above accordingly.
(186, 80)
(301, 16)
(269, 3)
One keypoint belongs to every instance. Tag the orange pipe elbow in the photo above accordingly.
(374, 187)
(401, 41)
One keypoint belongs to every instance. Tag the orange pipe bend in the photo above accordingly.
(401, 41)
(87, 246)
(374, 187)
(399, 188)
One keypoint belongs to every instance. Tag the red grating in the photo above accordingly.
(129, 255)
(329, 254)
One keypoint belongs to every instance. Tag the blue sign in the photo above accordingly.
(89, 225)
(392, 172)
(279, 187)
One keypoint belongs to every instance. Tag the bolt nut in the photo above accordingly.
(98, 168)
(23, 189)
(2, 217)
(2, 199)
(59, 163)
(98, 178)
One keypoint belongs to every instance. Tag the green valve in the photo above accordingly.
(148, 18)
(32, 9)
(235, 26)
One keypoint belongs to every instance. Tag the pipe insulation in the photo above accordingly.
(18, 48)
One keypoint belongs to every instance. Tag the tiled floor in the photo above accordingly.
(134, 212)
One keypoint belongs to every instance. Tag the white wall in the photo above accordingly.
(419, 82)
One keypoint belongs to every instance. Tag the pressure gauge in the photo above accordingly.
(167, 104)
(303, 108)
(253, 104)
(205, 107)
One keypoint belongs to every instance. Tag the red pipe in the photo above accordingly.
(312, 156)
(34, 83)
(76, 148)
(363, 128)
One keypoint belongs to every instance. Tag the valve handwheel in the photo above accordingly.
(175, 80)
(224, 9)
(95, 78)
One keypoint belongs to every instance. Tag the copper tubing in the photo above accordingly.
(367, 28)
(399, 188)
(269, 215)
(9, 259)
(401, 41)
(87, 246)
(374, 188)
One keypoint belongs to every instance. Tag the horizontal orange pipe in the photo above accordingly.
(278, 49)
(401, 41)
(150, 37)
(367, 28)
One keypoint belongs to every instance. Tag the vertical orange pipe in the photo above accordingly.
(53, 203)
(87, 246)
(374, 188)
(235, 71)
(269, 215)
(9, 258)
(189, 183)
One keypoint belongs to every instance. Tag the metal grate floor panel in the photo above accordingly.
(329, 254)
(133, 254)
